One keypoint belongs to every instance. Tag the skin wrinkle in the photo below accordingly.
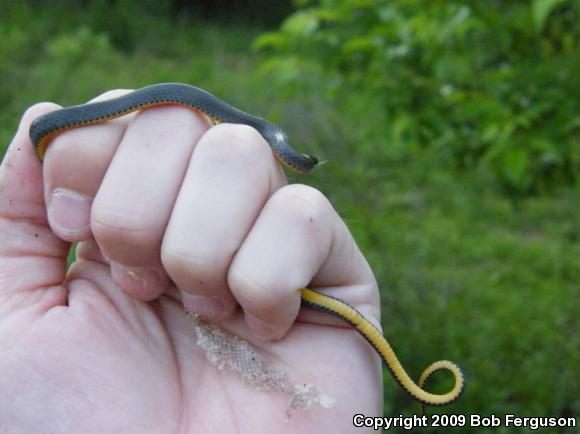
(201, 260)
(19, 218)
(134, 224)
(72, 280)
(144, 314)
(201, 369)
(89, 251)
(183, 397)
(33, 307)
(233, 415)
(121, 304)
(32, 255)
(259, 298)
(199, 264)
(52, 297)
(57, 275)
(26, 226)
(160, 311)
(29, 289)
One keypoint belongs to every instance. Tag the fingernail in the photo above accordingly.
(211, 308)
(259, 328)
(140, 282)
(69, 212)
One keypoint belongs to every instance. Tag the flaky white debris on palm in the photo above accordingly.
(226, 351)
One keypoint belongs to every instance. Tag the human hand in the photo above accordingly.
(170, 214)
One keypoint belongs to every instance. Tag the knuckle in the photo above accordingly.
(39, 109)
(235, 142)
(303, 204)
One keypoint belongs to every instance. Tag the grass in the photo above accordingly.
(465, 272)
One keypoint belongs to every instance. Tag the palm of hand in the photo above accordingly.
(86, 357)
(107, 361)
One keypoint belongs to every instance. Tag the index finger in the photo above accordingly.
(74, 166)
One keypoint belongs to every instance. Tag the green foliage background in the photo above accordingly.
(486, 84)
(450, 130)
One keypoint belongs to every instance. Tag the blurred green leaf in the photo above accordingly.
(515, 163)
(360, 44)
(541, 10)
(270, 40)
(301, 24)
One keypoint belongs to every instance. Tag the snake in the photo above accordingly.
(46, 127)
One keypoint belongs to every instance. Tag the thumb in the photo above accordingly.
(32, 258)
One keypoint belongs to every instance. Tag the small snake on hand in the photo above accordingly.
(48, 126)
